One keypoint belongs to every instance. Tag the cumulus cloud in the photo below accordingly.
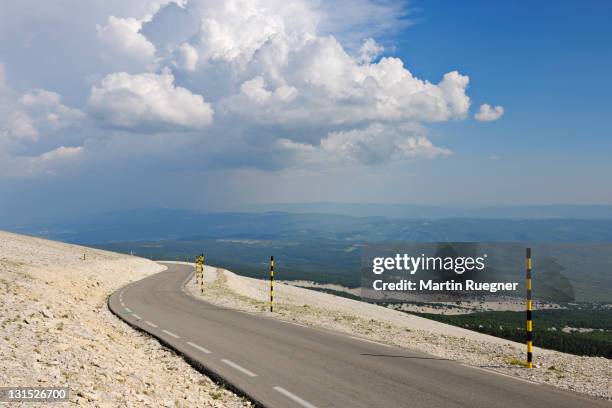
(48, 106)
(40, 97)
(487, 113)
(19, 125)
(34, 122)
(305, 76)
(15, 123)
(24, 117)
(226, 44)
(369, 50)
(256, 91)
(148, 101)
(338, 89)
(60, 153)
(375, 144)
(47, 163)
(230, 33)
(123, 44)
(188, 57)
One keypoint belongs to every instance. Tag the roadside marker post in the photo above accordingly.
(529, 309)
(271, 283)
(202, 275)
(196, 269)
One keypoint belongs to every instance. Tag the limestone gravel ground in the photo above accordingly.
(55, 330)
(589, 375)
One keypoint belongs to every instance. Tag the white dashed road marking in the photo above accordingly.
(202, 349)
(128, 310)
(150, 324)
(294, 397)
(239, 368)
(169, 333)
(136, 316)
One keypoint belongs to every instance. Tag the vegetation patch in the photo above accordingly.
(548, 328)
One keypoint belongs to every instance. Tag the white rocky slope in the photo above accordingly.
(56, 330)
(589, 375)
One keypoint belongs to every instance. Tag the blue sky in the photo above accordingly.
(549, 64)
(109, 106)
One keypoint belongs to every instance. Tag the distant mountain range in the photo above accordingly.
(439, 212)
(152, 224)
(321, 247)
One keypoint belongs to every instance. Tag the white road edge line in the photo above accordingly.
(239, 368)
(169, 333)
(294, 323)
(369, 341)
(504, 374)
(294, 397)
(128, 310)
(150, 324)
(187, 279)
(202, 349)
(136, 316)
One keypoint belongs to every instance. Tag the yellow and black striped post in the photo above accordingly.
(271, 283)
(529, 309)
(202, 276)
(196, 268)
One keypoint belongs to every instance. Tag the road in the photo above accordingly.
(280, 364)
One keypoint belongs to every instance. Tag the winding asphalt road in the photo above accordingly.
(280, 364)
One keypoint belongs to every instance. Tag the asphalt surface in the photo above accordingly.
(279, 364)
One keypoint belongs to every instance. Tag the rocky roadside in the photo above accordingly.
(55, 330)
(588, 375)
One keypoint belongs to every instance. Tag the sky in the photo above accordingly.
(210, 104)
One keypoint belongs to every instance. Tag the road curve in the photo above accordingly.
(279, 364)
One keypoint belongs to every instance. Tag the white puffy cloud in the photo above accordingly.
(47, 163)
(22, 118)
(60, 153)
(148, 101)
(487, 113)
(188, 57)
(15, 123)
(40, 97)
(29, 123)
(264, 64)
(339, 89)
(369, 50)
(236, 34)
(123, 44)
(306, 76)
(255, 90)
(48, 106)
(20, 126)
(375, 144)
(264, 61)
